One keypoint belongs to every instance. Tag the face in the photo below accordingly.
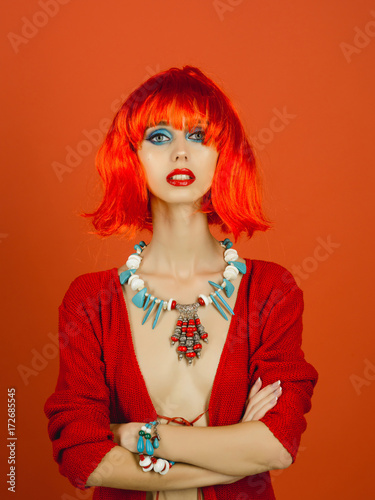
(178, 167)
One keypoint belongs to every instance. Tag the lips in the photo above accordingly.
(187, 179)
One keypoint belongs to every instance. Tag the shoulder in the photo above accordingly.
(89, 286)
(269, 277)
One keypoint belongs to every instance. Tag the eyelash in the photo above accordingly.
(158, 134)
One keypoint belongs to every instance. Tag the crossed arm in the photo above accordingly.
(243, 449)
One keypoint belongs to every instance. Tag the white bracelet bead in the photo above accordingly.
(146, 462)
(167, 467)
(159, 465)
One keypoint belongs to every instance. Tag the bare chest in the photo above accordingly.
(176, 388)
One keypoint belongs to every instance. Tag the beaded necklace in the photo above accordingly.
(189, 331)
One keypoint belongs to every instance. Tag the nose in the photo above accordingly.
(180, 149)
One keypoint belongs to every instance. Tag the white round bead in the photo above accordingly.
(230, 254)
(132, 263)
(165, 305)
(141, 285)
(159, 465)
(205, 298)
(137, 284)
(132, 278)
(209, 300)
(157, 301)
(167, 467)
(230, 272)
(144, 428)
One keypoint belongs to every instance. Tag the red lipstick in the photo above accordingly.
(181, 182)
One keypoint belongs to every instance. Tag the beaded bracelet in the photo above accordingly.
(149, 462)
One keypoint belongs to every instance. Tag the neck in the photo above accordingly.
(182, 244)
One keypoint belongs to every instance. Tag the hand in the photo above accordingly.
(261, 400)
(126, 435)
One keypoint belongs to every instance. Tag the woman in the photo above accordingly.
(175, 161)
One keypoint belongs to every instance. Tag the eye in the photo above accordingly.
(197, 135)
(159, 137)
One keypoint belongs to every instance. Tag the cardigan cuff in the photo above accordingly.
(78, 462)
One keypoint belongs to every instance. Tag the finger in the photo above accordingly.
(265, 408)
(254, 407)
(264, 393)
(257, 385)
(257, 413)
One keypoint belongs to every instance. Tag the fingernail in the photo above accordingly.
(276, 384)
(258, 380)
(274, 401)
(278, 391)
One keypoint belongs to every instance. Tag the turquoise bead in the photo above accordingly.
(137, 247)
(140, 445)
(125, 275)
(149, 447)
(156, 443)
(215, 285)
(139, 298)
(147, 302)
(225, 303)
(227, 243)
(157, 314)
(240, 266)
(149, 311)
(229, 288)
(219, 308)
(142, 244)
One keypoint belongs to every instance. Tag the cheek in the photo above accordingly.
(151, 167)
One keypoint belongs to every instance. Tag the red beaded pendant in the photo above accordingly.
(189, 332)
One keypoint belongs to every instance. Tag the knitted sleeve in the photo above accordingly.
(78, 410)
(280, 357)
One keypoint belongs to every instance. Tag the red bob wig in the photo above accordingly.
(233, 201)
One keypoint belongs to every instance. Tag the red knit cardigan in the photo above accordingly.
(100, 380)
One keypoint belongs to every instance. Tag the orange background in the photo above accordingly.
(68, 75)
